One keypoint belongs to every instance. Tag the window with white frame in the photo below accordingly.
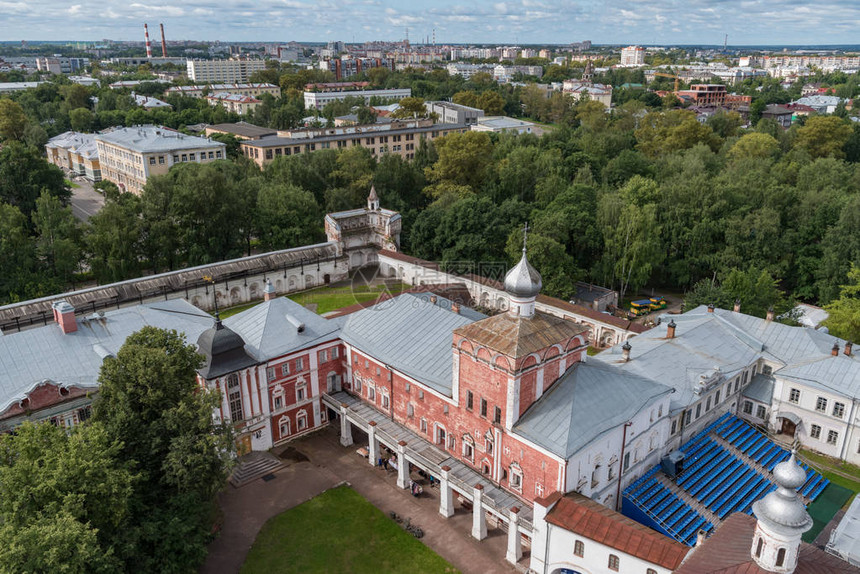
(423, 425)
(579, 548)
(302, 420)
(832, 437)
(538, 489)
(516, 475)
(323, 356)
(234, 397)
(761, 412)
(821, 404)
(285, 369)
(284, 425)
(468, 449)
(488, 443)
(357, 383)
(815, 431)
(371, 393)
(674, 427)
(794, 396)
(384, 399)
(335, 352)
(717, 398)
(300, 364)
(410, 410)
(614, 563)
(270, 374)
(452, 442)
(748, 406)
(838, 410)
(301, 392)
(279, 402)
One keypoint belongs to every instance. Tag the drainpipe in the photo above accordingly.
(621, 465)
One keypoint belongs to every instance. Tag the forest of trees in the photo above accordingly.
(644, 196)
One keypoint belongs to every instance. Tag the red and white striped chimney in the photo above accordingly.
(148, 43)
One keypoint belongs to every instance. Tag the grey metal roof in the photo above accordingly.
(33, 356)
(410, 334)
(267, 142)
(845, 538)
(590, 399)
(84, 144)
(151, 138)
(730, 341)
(760, 389)
(270, 328)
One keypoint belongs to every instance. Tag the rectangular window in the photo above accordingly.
(300, 364)
(708, 405)
(192, 156)
(497, 415)
(626, 461)
(838, 410)
(152, 161)
(469, 400)
(371, 393)
(748, 407)
(698, 410)
(420, 395)
(335, 352)
(821, 404)
(384, 400)
(270, 373)
(468, 451)
(161, 160)
(794, 396)
(410, 410)
(302, 422)
(279, 402)
(579, 548)
(300, 393)
(832, 437)
(674, 427)
(408, 387)
(185, 157)
(218, 154)
(483, 407)
(613, 563)
(423, 425)
(285, 369)
(234, 397)
(452, 442)
(815, 431)
(761, 412)
(687, 418)
(323, 356)
(445, 408)
(84, 414)
(357, 384)
(717, 398)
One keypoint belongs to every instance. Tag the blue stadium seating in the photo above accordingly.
(723, 482)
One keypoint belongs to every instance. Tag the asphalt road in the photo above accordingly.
(86, 202)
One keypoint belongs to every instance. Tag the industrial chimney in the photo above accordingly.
(148, 43)
(163, 43)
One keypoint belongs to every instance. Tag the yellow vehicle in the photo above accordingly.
(657, 303)
(640, 307)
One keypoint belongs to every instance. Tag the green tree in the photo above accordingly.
(17, 256)
(58, 237)
(13, 120)
(113, 239)
(287, 216)
(150, 401)
(754, 145)
(410, 108)
(492, 103)
(81, 120)
(844, 319)
(673, 130)
(24, 174)
(64, 493)
(558, 269)
(463, 159)
(823, 136)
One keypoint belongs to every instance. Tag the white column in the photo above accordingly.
(479, 517)
(515, 550)
(446, 498)
(345, 428)
(402, 466)
(373, 446)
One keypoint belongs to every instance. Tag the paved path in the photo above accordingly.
(246, 509)
(86, 201)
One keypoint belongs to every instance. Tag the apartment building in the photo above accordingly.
(75, 153)
(633, 56)
(451, 113)
(318, 100)
(231, 71)
(235, 103)
(399, 137)
(198, 91)
(129, 156)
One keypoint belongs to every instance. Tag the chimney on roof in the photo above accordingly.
(701, 536)
(737, 308)
(455, 307)
(848, 346)
(835, 350)
(268, 291)
(625, 351)
(770, 314)
(670, 329)
(64, 315)
(433, 299)
(711, 308)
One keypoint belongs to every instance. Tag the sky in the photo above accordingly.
(747, 22)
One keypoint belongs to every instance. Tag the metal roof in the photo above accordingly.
(410, 334)
(36, 355)
(286, 141)
(516, 337)
(83, 144)
(151, 138)
(270, 329)
(845, 538)
(760, 389)
(590, 399)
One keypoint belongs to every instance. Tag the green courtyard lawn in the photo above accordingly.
(334, 298)
(826, 465)
(338, 531)
(329, 298)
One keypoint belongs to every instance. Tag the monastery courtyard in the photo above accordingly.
(329, 464)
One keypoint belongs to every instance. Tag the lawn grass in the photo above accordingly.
(71, 184)
(328, 298)
(334, 298)
(826, 465)
(338, 531)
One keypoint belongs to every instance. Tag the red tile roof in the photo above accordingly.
(545, 299)
(727, 551)
(576, 513)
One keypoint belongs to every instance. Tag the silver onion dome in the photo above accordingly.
(523, 280)
(783, 508)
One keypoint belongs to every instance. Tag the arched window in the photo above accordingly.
(758, 548)
(302, 420)
(613, 562)
(780, 557)
(284, 426)
(650, 571)
(579, 548)
(234, 397)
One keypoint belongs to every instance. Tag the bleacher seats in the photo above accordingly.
(720, 480)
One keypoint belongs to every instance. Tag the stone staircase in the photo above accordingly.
(252, 466)
(691, 502)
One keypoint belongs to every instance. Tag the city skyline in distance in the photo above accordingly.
(660, 22)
